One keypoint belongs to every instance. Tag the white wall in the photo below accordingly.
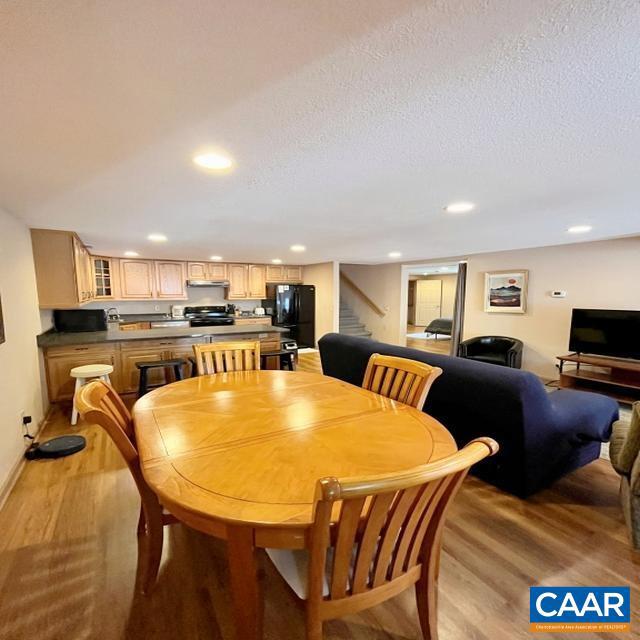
(325, 277)
(20, 388)
(381, 283)
(599, 275)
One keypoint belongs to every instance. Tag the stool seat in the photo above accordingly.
(91, 371)
(144, 367)
(84, 373)
(160, 363)
(286, 358)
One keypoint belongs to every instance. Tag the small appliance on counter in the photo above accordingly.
(79, 320)
(259, 311)
(207, 316)
(177, 311)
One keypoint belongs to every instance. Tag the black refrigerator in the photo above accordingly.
(295, 309)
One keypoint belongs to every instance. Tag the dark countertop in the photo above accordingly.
(54, 339)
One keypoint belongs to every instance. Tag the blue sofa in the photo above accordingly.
(542, 436)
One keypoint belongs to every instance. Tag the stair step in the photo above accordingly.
(355, 332)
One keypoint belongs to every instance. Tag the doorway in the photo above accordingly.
(431, 297)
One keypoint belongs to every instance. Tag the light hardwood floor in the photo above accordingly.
(68, 556)
(442, 345)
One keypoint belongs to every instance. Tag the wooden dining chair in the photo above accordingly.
(99, 403)
(386, 537)
(219, 357)
(401, 379)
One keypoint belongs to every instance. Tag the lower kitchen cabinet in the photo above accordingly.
(60, 360)
(123, 357)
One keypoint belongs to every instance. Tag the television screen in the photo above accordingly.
(606, 332)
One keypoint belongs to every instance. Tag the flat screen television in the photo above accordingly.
(606, 332)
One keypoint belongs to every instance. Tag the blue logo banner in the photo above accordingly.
(569, 608)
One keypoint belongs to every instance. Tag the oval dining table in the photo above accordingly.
(237, 456)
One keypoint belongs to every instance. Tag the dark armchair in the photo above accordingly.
(493, 350)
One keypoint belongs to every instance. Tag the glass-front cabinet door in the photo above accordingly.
(104, 278)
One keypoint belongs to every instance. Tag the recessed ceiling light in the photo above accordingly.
(394, 254)
(460, 207)
(131, 254)
(298, 248)
(216, 258)
(157, 237)
(580, 228)
(213, 161)
(276, 261)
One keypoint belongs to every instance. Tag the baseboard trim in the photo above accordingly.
(14, 474)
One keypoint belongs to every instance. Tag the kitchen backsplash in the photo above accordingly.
(197, 297)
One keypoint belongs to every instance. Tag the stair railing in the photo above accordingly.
(347, 280)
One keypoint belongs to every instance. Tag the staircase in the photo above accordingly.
(350, 324)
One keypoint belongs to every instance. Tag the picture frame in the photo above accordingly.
(506, 291)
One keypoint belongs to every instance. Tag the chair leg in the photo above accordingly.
(292, 361)
(313, 625)
(427, 598)
(74, 411)
(177, 369)
(150, 539)
(142, 384)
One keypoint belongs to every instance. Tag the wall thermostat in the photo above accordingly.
(558, 294)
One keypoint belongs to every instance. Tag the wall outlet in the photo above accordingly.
(157, 307)
(558, 294)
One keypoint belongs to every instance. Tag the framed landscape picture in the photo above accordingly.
(505, 291)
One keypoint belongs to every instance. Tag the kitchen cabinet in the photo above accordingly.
(64, 274)
(257, 281)
(238, 282)
(283, 273)
(105, 278)
(130, 374)
(246, 282)
(137, 279)
(207, 271)
(246, 321)
(197, 270)
(60, 360)
(150, 350)
(170, 280)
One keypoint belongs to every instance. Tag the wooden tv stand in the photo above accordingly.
(615, 377)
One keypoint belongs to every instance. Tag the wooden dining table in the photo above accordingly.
(237, 456)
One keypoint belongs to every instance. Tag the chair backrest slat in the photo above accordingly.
(387, 525)
(220, 357)
(367, 550)
(348, 527)
(401, 379)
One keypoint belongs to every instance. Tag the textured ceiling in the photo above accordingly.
(352, 122)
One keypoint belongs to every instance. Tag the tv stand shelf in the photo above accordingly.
(614, 377)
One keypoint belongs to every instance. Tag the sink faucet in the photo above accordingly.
(113, 316)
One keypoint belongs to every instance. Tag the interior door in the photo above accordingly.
(428, 301)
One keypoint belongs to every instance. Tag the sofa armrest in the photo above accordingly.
(619, 433)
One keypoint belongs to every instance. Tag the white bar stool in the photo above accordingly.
(84, 373)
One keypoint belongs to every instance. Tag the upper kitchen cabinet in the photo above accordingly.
(64, 272)
(238, 282)
(257, 281)
(246, 282)
(206, 271)
(106, 278)
(171, 280)
(137, 279)
(283, 273)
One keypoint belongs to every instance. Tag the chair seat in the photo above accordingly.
(91, 371)
(293, 566)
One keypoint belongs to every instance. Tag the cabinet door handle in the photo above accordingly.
(81, 349)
